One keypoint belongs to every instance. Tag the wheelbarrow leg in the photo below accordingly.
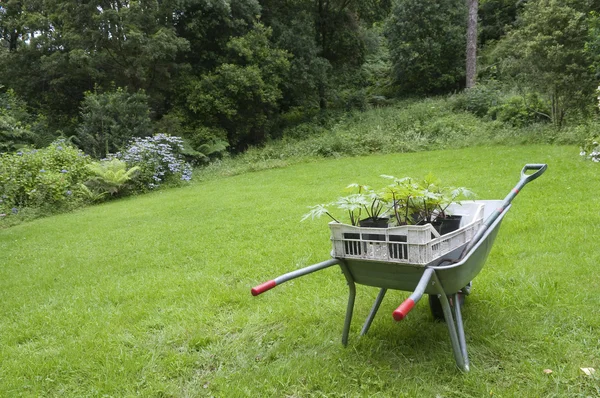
(460, 331)
(350, 307)
(458, 348)
(373, 312)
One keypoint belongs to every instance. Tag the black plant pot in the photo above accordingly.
(374, 223)
(449, 224)
(444, 225)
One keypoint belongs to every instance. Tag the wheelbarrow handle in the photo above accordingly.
(540, 169)
(407, 305)
(263, 287)
(525, 178)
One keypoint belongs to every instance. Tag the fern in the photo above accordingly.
(111, 176)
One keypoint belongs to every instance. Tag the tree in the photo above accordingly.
(472, 43)
(545, 54)
(15, 123)
(111, 119)
(592, 45)
(427, 42)
(242, 95)
(495, 17)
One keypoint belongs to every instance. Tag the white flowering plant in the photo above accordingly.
(159, 158)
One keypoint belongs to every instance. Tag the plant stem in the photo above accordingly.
(332, 217)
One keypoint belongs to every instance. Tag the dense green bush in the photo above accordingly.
(520, 111)
(243, 95)
(47, 178)
(477, 100)
(489, 101)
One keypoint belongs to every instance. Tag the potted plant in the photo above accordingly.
(408, 201)
(433, 201)
(402, 194)
(363, 201)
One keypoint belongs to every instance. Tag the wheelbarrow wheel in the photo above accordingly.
(435, 305)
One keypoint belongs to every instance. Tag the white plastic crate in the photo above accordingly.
(407, 244)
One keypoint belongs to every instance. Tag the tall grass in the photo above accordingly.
(407, 126)
(149, 296)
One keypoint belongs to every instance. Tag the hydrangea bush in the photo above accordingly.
(159, 159)
(37, 178)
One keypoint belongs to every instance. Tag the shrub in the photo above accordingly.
(47, 178)
(520, 111)
(591, 149)
(159, 158)
(110, 176)
(477, 100)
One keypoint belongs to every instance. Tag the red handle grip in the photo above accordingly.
(403, 310)
(263, 288)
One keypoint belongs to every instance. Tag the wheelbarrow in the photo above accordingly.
(447, 279)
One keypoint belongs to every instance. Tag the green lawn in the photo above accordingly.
(150, 296)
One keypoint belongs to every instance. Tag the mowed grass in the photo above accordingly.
(150, 296)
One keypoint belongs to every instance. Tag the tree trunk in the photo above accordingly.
(472, 43)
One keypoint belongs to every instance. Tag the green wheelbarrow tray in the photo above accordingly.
(447, 279)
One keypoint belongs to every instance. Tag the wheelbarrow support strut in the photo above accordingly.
(455, 324)
(457, 335)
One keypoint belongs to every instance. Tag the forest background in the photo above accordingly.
(232, 75)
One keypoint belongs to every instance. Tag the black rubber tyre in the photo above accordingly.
(435, 305)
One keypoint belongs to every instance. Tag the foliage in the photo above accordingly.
(478, 100)
(242, 95)
(427, 42)
(519, 111)
(159, 159)
(110, 176)
(378, 67)
(111, 119)
(411, 201)
(309, 70)
(591, 149)
(58, 50)
(591, 146)
(44, 178)
(495, 17)
(592, 45)
(15, 129)
(544, 53)
(488, 100)
(362, 200)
